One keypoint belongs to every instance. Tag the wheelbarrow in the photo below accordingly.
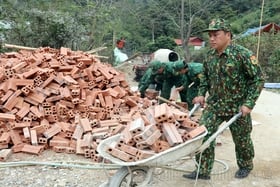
(139, 173)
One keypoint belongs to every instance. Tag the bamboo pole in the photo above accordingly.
(19, 47)
(32, 48)
(127, 60)
(259, 34)
(104, 57)
(96, 50)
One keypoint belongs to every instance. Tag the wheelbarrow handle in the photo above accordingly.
(206, 144)
(195, 107)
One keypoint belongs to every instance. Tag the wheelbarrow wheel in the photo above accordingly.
(131, 177)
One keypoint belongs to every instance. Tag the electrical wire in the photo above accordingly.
(103, 166)
(60, 164)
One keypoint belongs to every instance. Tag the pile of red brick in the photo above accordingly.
(69, 101)
(157, 129)
(60, 99)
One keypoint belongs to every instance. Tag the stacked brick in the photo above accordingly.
(151, 93)
(157, 129)
(62, 100)
(69, 101)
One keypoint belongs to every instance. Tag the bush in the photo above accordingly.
(162, 42)
(269, 53)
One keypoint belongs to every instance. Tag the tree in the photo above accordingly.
(87, 24)
(196, 9)
(161, 42)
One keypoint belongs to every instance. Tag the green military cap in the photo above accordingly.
(178, 65)
(155, 65)
(218, 24)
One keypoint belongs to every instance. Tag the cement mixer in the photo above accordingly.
(162, 55)
(165, 55)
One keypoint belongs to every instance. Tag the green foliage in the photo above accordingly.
(268, 55)
(273, 68)
(199, 55)
(161, 42)
(165, 42)
(146, 25)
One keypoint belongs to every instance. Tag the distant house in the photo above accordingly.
(194, 41)
(269, 28)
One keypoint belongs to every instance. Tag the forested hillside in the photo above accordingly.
(87, 24)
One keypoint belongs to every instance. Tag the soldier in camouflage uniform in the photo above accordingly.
(232, 77)
(155, 68)
(161, 73)
(169, 78)
(190, 80)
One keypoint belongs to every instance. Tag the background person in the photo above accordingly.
(119, 55)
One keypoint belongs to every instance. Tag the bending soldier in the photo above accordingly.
(190, 80)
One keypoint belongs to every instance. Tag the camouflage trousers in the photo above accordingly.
(241, 134)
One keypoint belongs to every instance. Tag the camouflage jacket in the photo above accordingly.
(170, 75)
(151, 76)
(193, 75)
(232, 79)
(146, 80)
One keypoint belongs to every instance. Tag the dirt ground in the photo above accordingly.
(266, 172)
(265, 136)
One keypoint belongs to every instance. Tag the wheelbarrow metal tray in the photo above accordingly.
(160, 159)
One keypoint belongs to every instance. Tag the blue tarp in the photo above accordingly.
(251, 31)
(272, 85)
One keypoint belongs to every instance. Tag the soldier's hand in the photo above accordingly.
(200, 100)
(180, 88)
(245, 110)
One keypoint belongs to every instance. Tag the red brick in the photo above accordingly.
(189, 124)
(59, 142)
(120, 154)
(55, 129)
(128, 149)
(4, 154)
(33, 137)
(84, 122)
(153, 138)
(161, 113)
(5, 138)
(15, 137)
(137, 126)
(195, 132)
(160, 146)
(172, 135)
(32, 149)
(143, 154)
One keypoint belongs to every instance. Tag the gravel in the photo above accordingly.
(60, 174)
